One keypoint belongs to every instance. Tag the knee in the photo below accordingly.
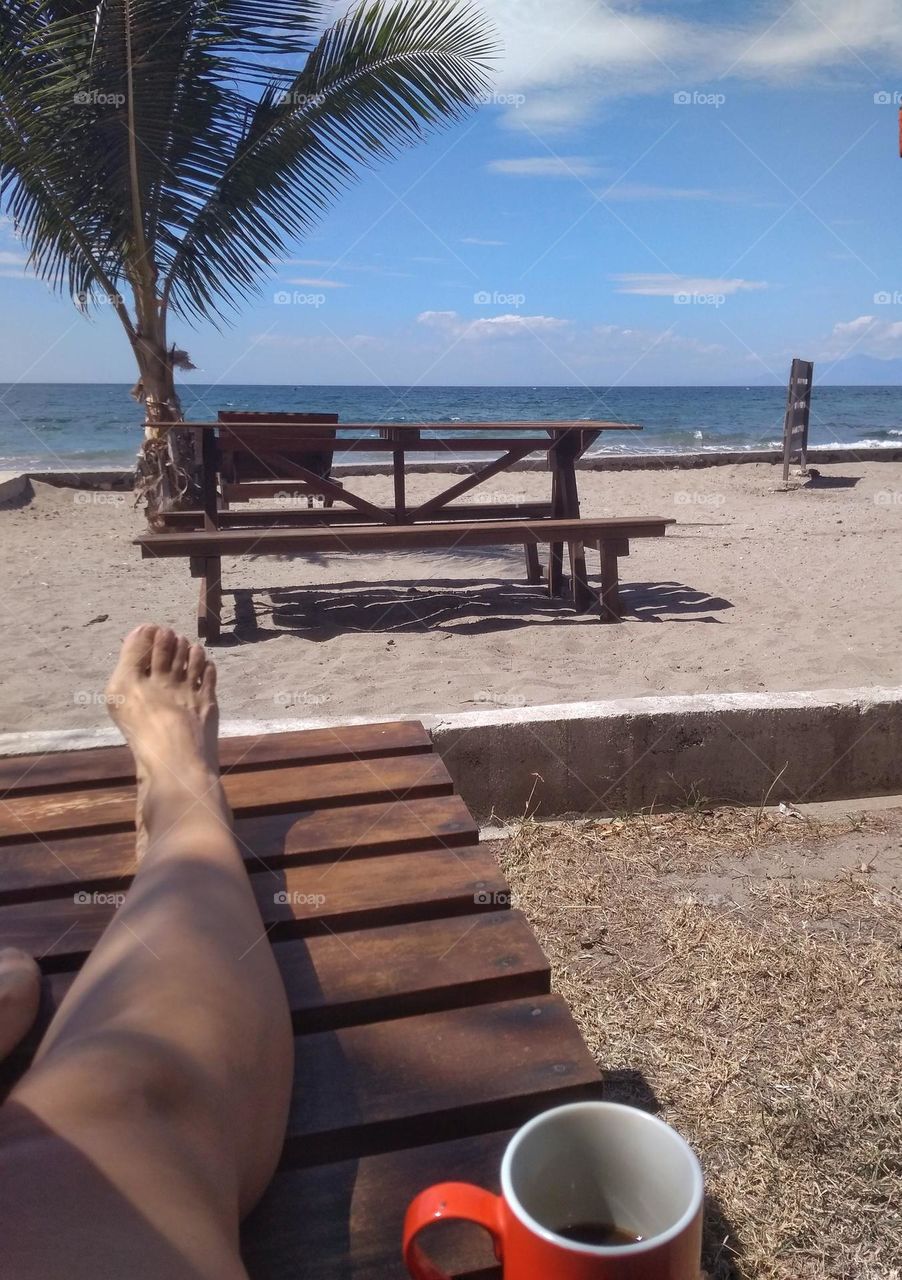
(117, 1075)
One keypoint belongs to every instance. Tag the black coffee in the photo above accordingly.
(598, 1233)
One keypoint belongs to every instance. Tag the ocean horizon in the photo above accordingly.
(66, 426)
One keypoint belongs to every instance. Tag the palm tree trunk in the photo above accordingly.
(167, 468)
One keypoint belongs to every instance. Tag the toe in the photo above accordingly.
(163, 651)
(20, 994)
(136, 648)
(208, 683)
(180, 661)
(197, 661)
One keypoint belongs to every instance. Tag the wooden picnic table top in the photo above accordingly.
(425, 1028)
(314, 428)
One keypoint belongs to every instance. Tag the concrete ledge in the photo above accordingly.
(599, 757)
(608, 757)
(14, 488)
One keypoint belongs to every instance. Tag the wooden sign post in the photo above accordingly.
(798, 413)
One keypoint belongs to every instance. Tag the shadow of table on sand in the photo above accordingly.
(445, 605)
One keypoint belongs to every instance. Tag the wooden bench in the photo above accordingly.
(206, 547)
(425, 1028)
(246, 469)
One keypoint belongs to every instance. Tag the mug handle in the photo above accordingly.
(448, 1202)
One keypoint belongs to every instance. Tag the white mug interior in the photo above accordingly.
(604, 1163)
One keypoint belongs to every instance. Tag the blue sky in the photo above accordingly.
(674, 192)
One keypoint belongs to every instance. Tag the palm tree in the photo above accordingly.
(164, 149)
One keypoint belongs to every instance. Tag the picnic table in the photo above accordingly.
(245, 455)
(425, 1028)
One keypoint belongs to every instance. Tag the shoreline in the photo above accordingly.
(12, 481)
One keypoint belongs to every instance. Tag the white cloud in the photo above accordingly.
(489, 327)
(313, 283)
(865, 335)
(547, 166)
(568, 56)
(489, 244)
(669, 286)
(9, 259)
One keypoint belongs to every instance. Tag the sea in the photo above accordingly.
(64, 427)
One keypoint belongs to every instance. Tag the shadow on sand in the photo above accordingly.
(446, 605)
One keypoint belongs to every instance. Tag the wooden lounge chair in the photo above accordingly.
(425, 1027)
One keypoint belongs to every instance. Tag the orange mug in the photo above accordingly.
(591, 1191)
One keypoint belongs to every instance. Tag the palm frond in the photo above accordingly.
(377, 81)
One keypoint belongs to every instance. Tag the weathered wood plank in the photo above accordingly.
(259, 792)
(314, 1222)
(106, 766)
(485, 533)
(59, 865)
(366, 1089)
(370, 975)
(294, 902)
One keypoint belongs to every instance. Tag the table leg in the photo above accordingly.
(400, 487)
(611, 609)
(533, 566)
(209, 604)
(582, 593)
(555, 549)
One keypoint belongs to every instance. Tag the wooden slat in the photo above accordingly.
(106, 766)
(368, 975)
(57, 866)
(311, 1222)
(265, 791)
(570, 424)
(343, 895)
(372, 1088)
(237, 542)
(303, 518)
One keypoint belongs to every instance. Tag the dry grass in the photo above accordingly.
(763, 1015)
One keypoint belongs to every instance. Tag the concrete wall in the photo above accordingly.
(607, 757)
(612, 756)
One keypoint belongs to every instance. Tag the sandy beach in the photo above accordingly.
(754, 589)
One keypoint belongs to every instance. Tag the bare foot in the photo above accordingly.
(162, 695)
(20, 993)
